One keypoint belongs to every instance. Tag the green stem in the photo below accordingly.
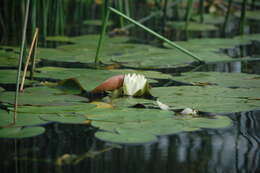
(103, 32)
(21, 60)
(156, 34)
(202, 11)
(227, 17)
(243, 18)
(188, 16)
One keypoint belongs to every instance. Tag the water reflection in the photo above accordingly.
(233, 149)
(252, 67)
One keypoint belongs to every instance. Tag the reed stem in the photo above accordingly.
(33, 45)
(157, 35)
(188, 16)
(201, 8)
(20, 61)
(103, 31)
(230, 2)
(243, 18)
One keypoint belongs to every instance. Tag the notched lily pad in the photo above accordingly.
(18, 132)
(242, 80)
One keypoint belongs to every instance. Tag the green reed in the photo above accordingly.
(230, 2)
(20, 61)
(188, 16)
(242, 23)
(144, 28)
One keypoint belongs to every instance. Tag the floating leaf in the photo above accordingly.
(9, 77)
(136, 126)
(209, 98)
(192, 26)
(17, 132)
(23, 119)
(65, 118)
(126, 136)
(60, 109)
(42, 96)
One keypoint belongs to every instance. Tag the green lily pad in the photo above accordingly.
(134, 126)
(221, 79)
(211, 19)
(214, 99)
(126, 136)
(42, 96)
(82, 108)
(252, 15)
(8, 59)
(193, 26)
(21, 132)
(9, 77)
(65, 118)
(58, 38)
(129, 115)
(88, 79)
(22, 119)
(124, 102)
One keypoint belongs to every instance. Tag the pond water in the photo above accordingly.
(232, 149)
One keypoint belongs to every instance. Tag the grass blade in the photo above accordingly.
(157, 35)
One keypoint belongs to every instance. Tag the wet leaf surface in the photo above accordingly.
(213, 99)
(242, 80)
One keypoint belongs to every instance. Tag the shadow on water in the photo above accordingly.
(234, 149)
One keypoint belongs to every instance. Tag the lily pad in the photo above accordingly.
(193, 26)
(82, 108)
(221, 79)
(9, 77)
(65, 118)
(213, 99)
(211, 19)
(134, 126)
(42, 96)
(17, 132)
(58, 38)
(89, 78)
(23, 119)
(8, 59)
(126, 136)
(252, 15)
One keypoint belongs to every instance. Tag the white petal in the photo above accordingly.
(133, 83)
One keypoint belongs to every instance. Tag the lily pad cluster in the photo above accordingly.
(134, 126)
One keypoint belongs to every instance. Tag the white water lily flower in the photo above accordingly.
(134, 84)
(189, 111)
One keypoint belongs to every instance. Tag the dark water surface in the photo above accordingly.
(233, 149)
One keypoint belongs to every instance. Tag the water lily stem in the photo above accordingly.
(157, 35)
(103, 31)
(20, 61)
(33, 46)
